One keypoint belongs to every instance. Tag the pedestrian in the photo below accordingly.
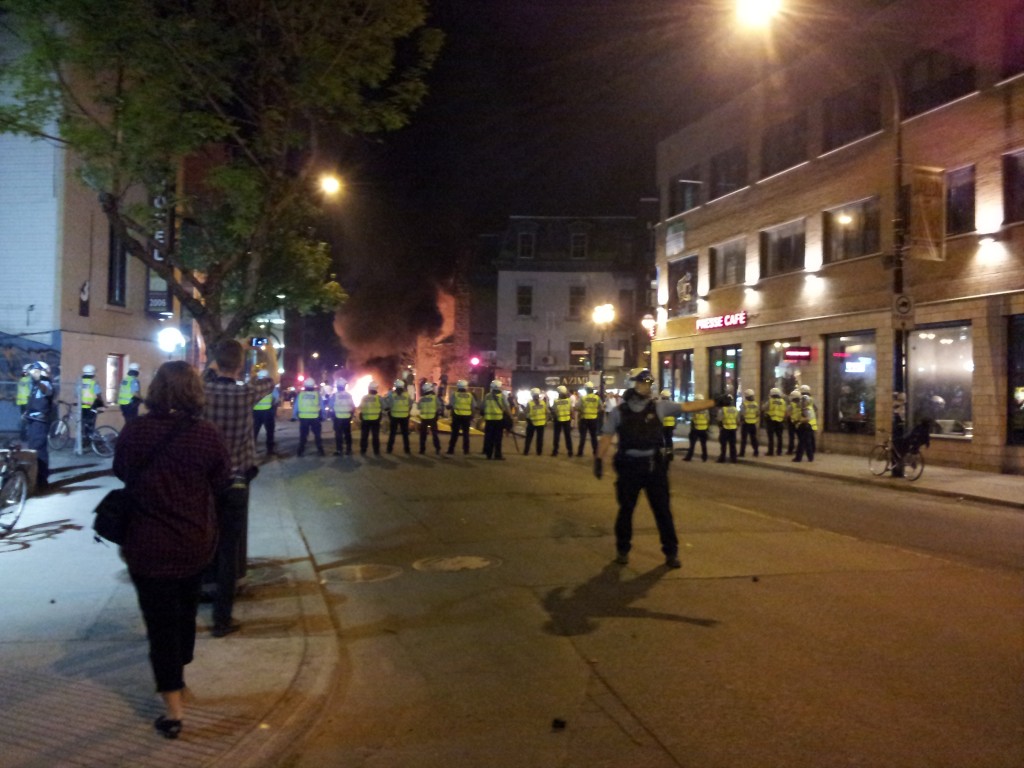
(309, 412)
(640, 462)
(668, 428)
(342, 406)
(792, 420)
(462, 406)
(728, 422)
(90, 399)
(398, 404)
(175, 464)
(21, 398)
(370, 409)
(562, 410)
(496, 411)
(699, 423)
(775, 410)
(808, 425)
(537, 415)
(588, 412)
(264, 413)
(38, 412)
(750, 415)
(129, 394)
(430, 408)
(229, 404)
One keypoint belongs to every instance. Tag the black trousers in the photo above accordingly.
(651, 476)
(460, 425)
(429, 425)
(748, 432)
(399, 423)
(494, 430)
(305, 427)
(774, 437)
(169, 608)
(343, 435)
(588, 427)
(232, 516)
(727, 440)
(268, 421)
(791, 428)
(367, 429)
(130, 411)
(531, 430)
(563, 427)
(805, 443)
(698, 436)
(36, 439)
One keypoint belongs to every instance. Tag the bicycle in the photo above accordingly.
(883, 457)
(101, 439)
(13, 488)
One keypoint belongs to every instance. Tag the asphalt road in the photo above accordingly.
(814, 623)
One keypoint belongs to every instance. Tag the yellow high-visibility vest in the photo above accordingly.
(563, 409)
(428, 407)
(729, 417)
(538, 413)
(700, 420)
(591, 405)
(309, 404)
(370, 407)
(751, 411)
(401, 405)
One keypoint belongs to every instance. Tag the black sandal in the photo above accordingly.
(167, 728)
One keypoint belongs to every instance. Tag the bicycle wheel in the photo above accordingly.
(913, 465)
(59, 436)
(12, 500)
(880, 460)
(103, 441)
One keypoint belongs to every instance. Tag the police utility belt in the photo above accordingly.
(641, 459)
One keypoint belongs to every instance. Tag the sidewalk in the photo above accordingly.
(76, 685)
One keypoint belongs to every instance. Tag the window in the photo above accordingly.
(728, 263)
(1013, 187)
(524, 300)
(1015, 398)
(728, 172)
(115, 371)
(784, 145)
(782, 249)
(577, 298)
(776, 371)
(625, 307)
(851, 376)
(525, 244)
(579, 355)
(1013, 48)
(676, 375)
(578, 245)
(117, 271)
(852, 231)
(960, 201)
(933, 78)
(940, 368)
(852, 114)
(684, 191)
(724, 373)
(524, 354)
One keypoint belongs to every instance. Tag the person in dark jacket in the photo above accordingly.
(174, 464)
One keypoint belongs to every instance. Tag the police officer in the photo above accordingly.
(537, 415)
(728, 422)
(37, 414)
(668, 427)
(430, 407)
(640, 463)
(699, 423)
(264, 413)
(462, 405)
(21, 397)
(309, 413)
(775, 410)
(588, 409)
(805, 429)
(495, 410)
(342, 406)
(398, 404)
(792, 420)
(370, 409)
(562, 409)
(90, 397)
(750, 413)
(129, 394)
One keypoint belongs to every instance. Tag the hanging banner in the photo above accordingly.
(927, 236)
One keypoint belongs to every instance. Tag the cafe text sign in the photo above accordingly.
(735, 320)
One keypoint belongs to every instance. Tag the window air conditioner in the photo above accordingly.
(547, 360)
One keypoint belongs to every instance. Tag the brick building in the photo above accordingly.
(775, 248)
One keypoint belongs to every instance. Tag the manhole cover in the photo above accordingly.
(367, 572)
(456, 563)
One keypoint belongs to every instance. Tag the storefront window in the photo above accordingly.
(776, 371)
(676, 374)
(1015, 422)
(940, 366)
(851, 373)
(724, 373)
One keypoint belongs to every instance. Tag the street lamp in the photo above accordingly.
(603, 316)
(330, 184)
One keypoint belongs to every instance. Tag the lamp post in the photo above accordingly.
(649, 324)
(603, 316)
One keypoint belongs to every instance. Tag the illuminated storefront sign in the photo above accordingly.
(735, 320)
(796, 354)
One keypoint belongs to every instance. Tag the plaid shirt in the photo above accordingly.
(229, 405)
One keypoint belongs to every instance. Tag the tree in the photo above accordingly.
(234, 96)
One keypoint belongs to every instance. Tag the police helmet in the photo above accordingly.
(496, 385)
(589, 388)
(133, 368)
(535, 392)
(805, 389)
(26, 367)
(427, 388)
(666, 393)
(462, 384)
(748, 393)
(642, 375)
(39, 365)
(776, 392)
(341, 383)
(88, 370)
(794, 395)
(805, 398)
(373, 386)
(562, 390)
(399, 384)
(309, 383)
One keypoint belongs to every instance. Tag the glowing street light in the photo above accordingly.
(170, 340)
(757, 13)
(331, 184)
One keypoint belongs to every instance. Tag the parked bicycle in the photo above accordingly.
(13, 487)
(102, 439)
(885, 456)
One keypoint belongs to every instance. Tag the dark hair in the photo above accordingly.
(176, 387)
(229, 355)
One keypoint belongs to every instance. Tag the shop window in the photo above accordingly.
(851, 377)
(1015, 422)
(784, 145)
(524, 300)
(728, 172)
(1013, 187)
(676, 374)
(852, 231)
(782, 249)
(852, 114)
(940, 368)
(776, 371)
(960, 201)
(728, 263)
(684, 191)
(724, 371)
